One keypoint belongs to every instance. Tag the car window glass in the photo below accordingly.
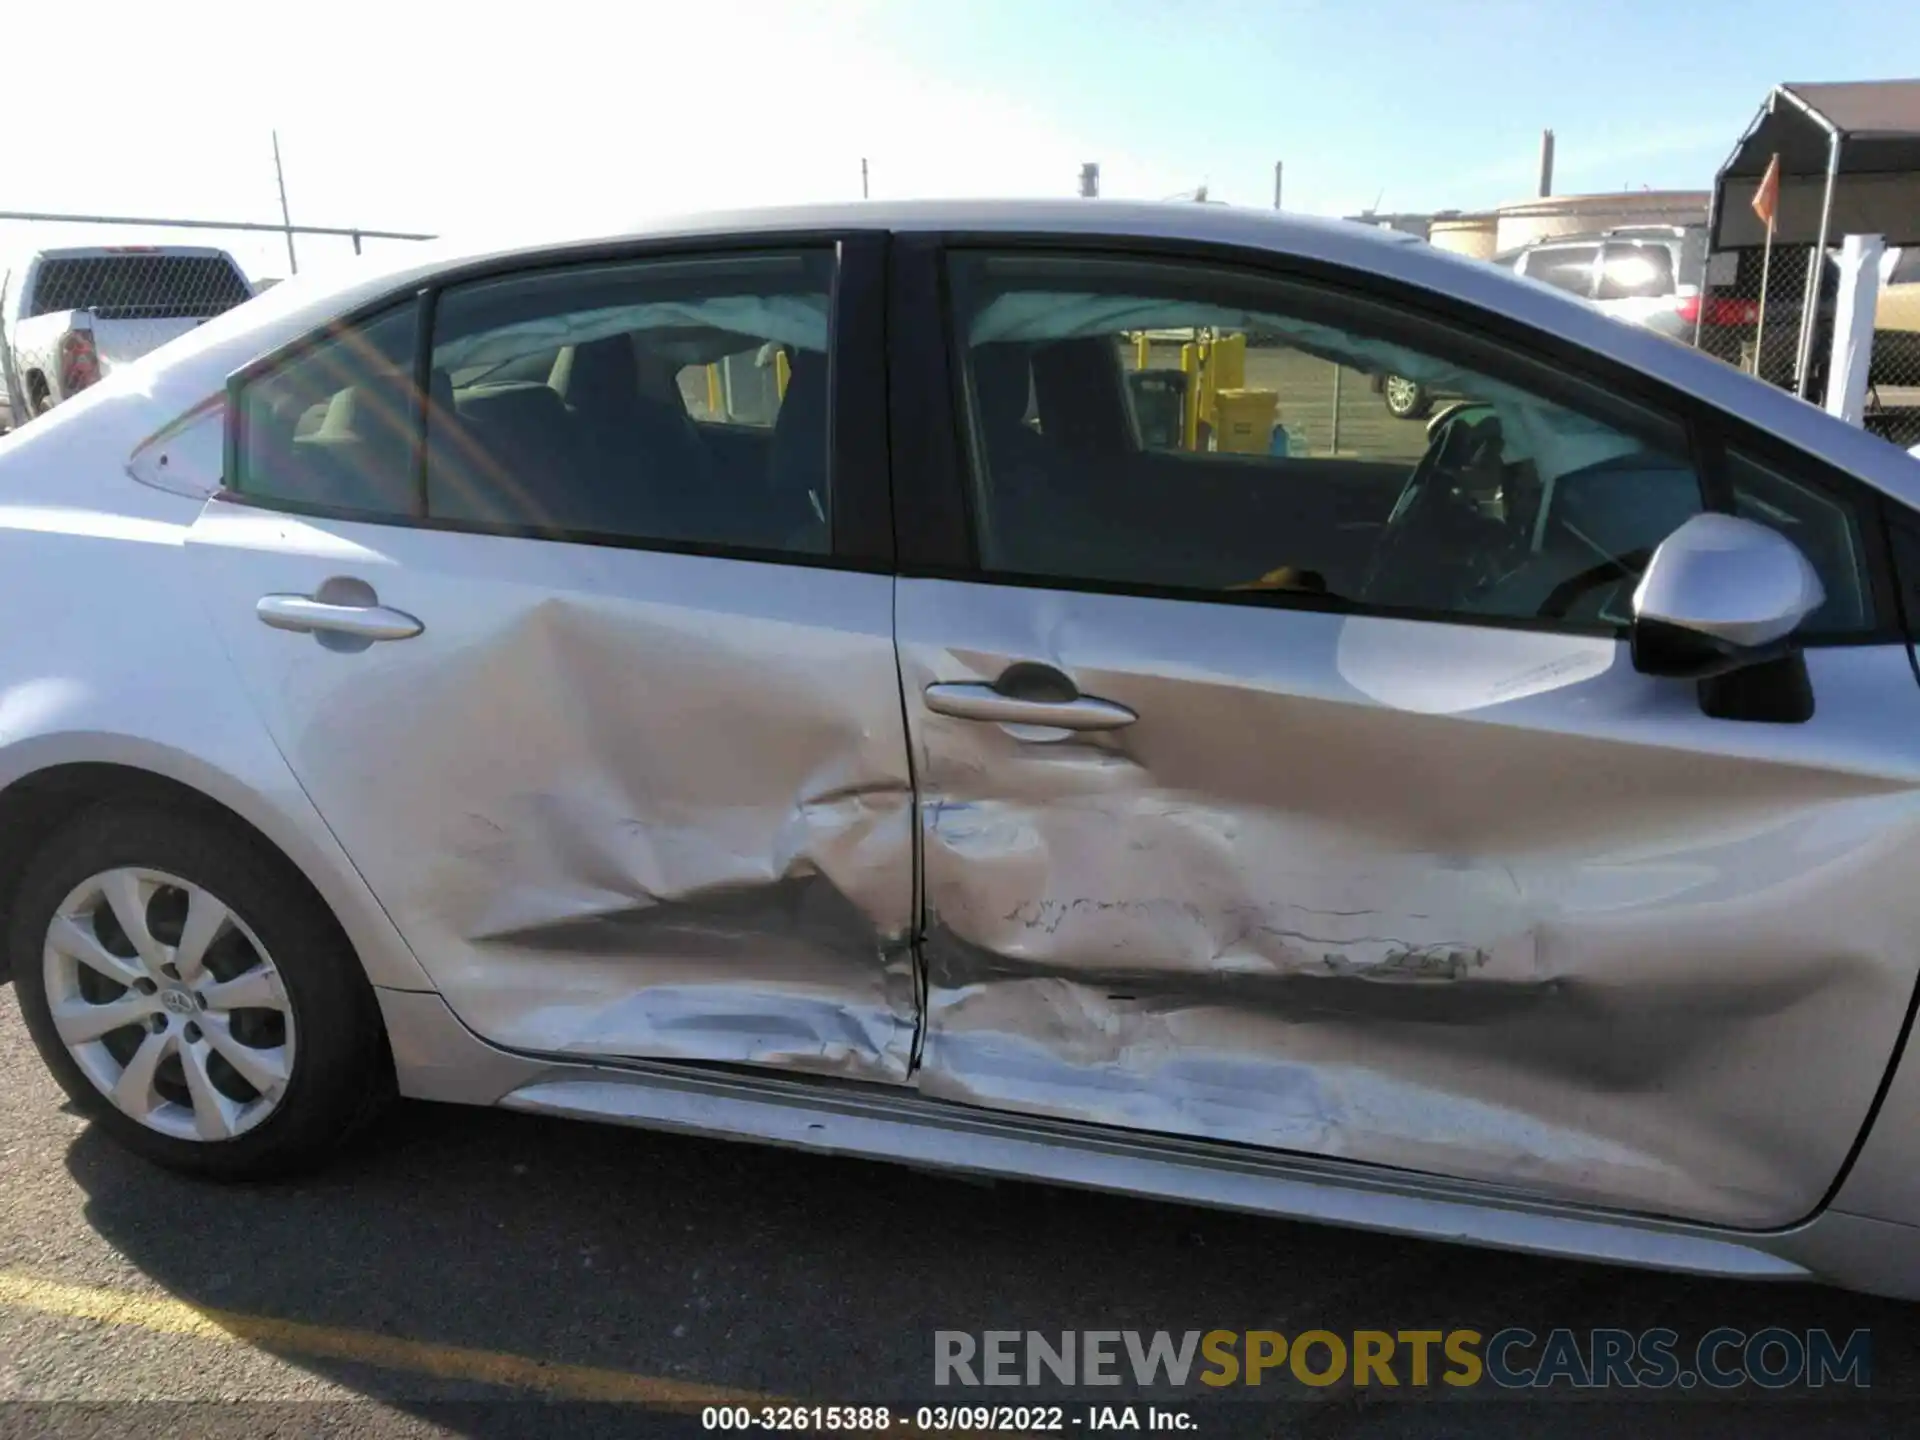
(1632, 272)
(675, 401)
(1565, 267)
(335, 425)
(1149, 424)
(1827, 530)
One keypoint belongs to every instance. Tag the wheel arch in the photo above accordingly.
(47, 780)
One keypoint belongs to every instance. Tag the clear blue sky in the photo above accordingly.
(407, 114)
(1431, 105)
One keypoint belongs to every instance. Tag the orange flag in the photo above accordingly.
(1766, 200)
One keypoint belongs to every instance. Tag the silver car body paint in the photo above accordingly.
(439, 1059)
(619, 802)
(110, 660)
(1464, 901)
(1730, 578)
(1473, 904)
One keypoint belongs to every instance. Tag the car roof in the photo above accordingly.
(101, 252)
(1225, 224)
(1673, 234)
(305, 302)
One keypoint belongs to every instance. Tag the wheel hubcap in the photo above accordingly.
(169, 1004)
(1400, 392)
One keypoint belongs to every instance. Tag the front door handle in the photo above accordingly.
(309, 615)
(983, 702)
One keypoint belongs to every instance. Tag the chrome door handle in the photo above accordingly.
(304, 615)
(983, 702)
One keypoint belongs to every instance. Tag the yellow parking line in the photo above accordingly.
(326, 1342)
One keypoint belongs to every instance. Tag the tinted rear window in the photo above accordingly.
(1636, 272)
(138, 287)
(1565, 267)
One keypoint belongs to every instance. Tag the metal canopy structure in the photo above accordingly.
(1849, 165)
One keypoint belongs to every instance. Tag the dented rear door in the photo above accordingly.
(1475, 900)
(625, 793)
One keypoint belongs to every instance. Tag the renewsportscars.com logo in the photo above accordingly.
(1514, 1358)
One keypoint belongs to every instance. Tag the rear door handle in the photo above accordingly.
(304, 615)
(983, 702)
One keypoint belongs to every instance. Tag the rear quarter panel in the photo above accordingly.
(109, 657)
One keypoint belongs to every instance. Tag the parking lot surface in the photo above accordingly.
(464, 1271)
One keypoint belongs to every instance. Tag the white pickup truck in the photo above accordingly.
(69, 316)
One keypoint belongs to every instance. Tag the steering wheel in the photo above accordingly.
(1429, 541)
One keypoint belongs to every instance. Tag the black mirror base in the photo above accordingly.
(1773, 692)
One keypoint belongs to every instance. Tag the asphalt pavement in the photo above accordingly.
(469, 1273)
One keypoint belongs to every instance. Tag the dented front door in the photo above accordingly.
(1475, 903)
(1257, 808)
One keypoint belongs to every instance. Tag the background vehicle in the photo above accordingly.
(1408, 399)
(1654, 276)
(69, 316)
(625, 680)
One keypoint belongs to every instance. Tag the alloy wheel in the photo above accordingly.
(169, 1004)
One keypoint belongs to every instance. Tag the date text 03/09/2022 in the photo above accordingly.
(936, 1419)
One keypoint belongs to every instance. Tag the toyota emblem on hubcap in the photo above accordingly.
(178, 1002)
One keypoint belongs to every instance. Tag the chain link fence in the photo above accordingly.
(77, 315)
(1750, 313)
(1733, 324)
(80, 296)
(1893, 377)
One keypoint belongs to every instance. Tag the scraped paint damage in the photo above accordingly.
(668, 828)
(1543, 961)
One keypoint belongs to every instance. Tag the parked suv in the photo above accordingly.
(1656, 276)
(1644, 275)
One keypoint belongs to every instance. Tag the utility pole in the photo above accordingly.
(1277, 167)
(863, 177)
(1090, 179)
(1546, 163)
(286, 219)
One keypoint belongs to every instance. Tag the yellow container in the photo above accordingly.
(1192, 363)
(1246, 420)
(1228, 362)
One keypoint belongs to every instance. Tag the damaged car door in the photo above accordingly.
(586, 654)
(1308, 797)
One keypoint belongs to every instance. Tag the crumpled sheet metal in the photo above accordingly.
(647, 829)
(1277, 911)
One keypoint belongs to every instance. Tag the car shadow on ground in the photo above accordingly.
(824, 1279)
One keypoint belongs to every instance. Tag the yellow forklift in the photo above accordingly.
(1204, 403)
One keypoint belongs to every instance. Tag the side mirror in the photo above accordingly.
(1720, 594)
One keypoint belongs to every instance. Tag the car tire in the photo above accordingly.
(313, 1042)
(1406, 399)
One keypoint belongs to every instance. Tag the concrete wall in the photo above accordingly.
(1528, 220)
(1476, 236)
